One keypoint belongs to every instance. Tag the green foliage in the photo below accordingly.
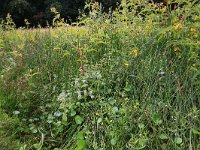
(118, 82)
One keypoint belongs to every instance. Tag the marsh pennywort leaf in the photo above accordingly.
(111, 101)
(127, 89)
(163, 137)
(178, 140)
(73, 113)
(157, 118)
(78, 119)
(113, 142)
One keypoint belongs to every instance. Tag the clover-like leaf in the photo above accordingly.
(78, 119)
(163, 137)
(178, 140)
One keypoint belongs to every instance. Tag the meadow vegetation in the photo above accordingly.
(110, 82)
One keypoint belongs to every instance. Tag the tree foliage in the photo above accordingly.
(38, 12)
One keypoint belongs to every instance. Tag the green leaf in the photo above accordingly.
(142, 142)
(141, 125)
(113, 142)
(178, 140)
(78, 119)
(163, 137)
(36, 146)
(73, 113)
(127, 89)
(64, 117)
(99, 120)
(195, 131)
(157, 118)
(111, 101)
(80, 135)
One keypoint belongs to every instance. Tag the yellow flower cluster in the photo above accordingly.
(176, 49)
(193, 30)
(134, 52)
(178, 26)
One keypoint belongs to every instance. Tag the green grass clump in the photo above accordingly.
(118, 82)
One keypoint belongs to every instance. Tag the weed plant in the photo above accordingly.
(125, 80)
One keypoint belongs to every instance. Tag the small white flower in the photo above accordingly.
(77, 82)
(115, 109)
(30, 120)
(54, 89)
(16, 112)
(173, 118)
(68, 93)
(36, 119)
(162, 73)
(84, 81)
(85, 85)
(79, 94)
(91, 92)
(62, 96)
(49, 121)
(57, 113)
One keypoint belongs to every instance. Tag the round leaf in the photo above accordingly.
(163, 137)
(178, 140)
(113, 142)
(78, 119)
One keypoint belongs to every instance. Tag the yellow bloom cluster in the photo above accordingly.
(134, 52)
(178, 26)
(176, 49)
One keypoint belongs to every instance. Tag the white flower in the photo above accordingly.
(162, 73)
(79, 94)
(57, 113)
(85, 85)
(16, 112)
(77, 82)
(68, 93)
(62, 96)
(91, 94)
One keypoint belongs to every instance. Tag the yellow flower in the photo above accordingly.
(126, 64)
(193, 30)
(176, 49)
(97, 114)
(134, 52)
(194, 65)
(195, 35)
(178, 26)
(164, 9)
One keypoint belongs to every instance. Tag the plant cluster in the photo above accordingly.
(121, 81)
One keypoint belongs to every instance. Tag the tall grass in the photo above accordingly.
(121, 81)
